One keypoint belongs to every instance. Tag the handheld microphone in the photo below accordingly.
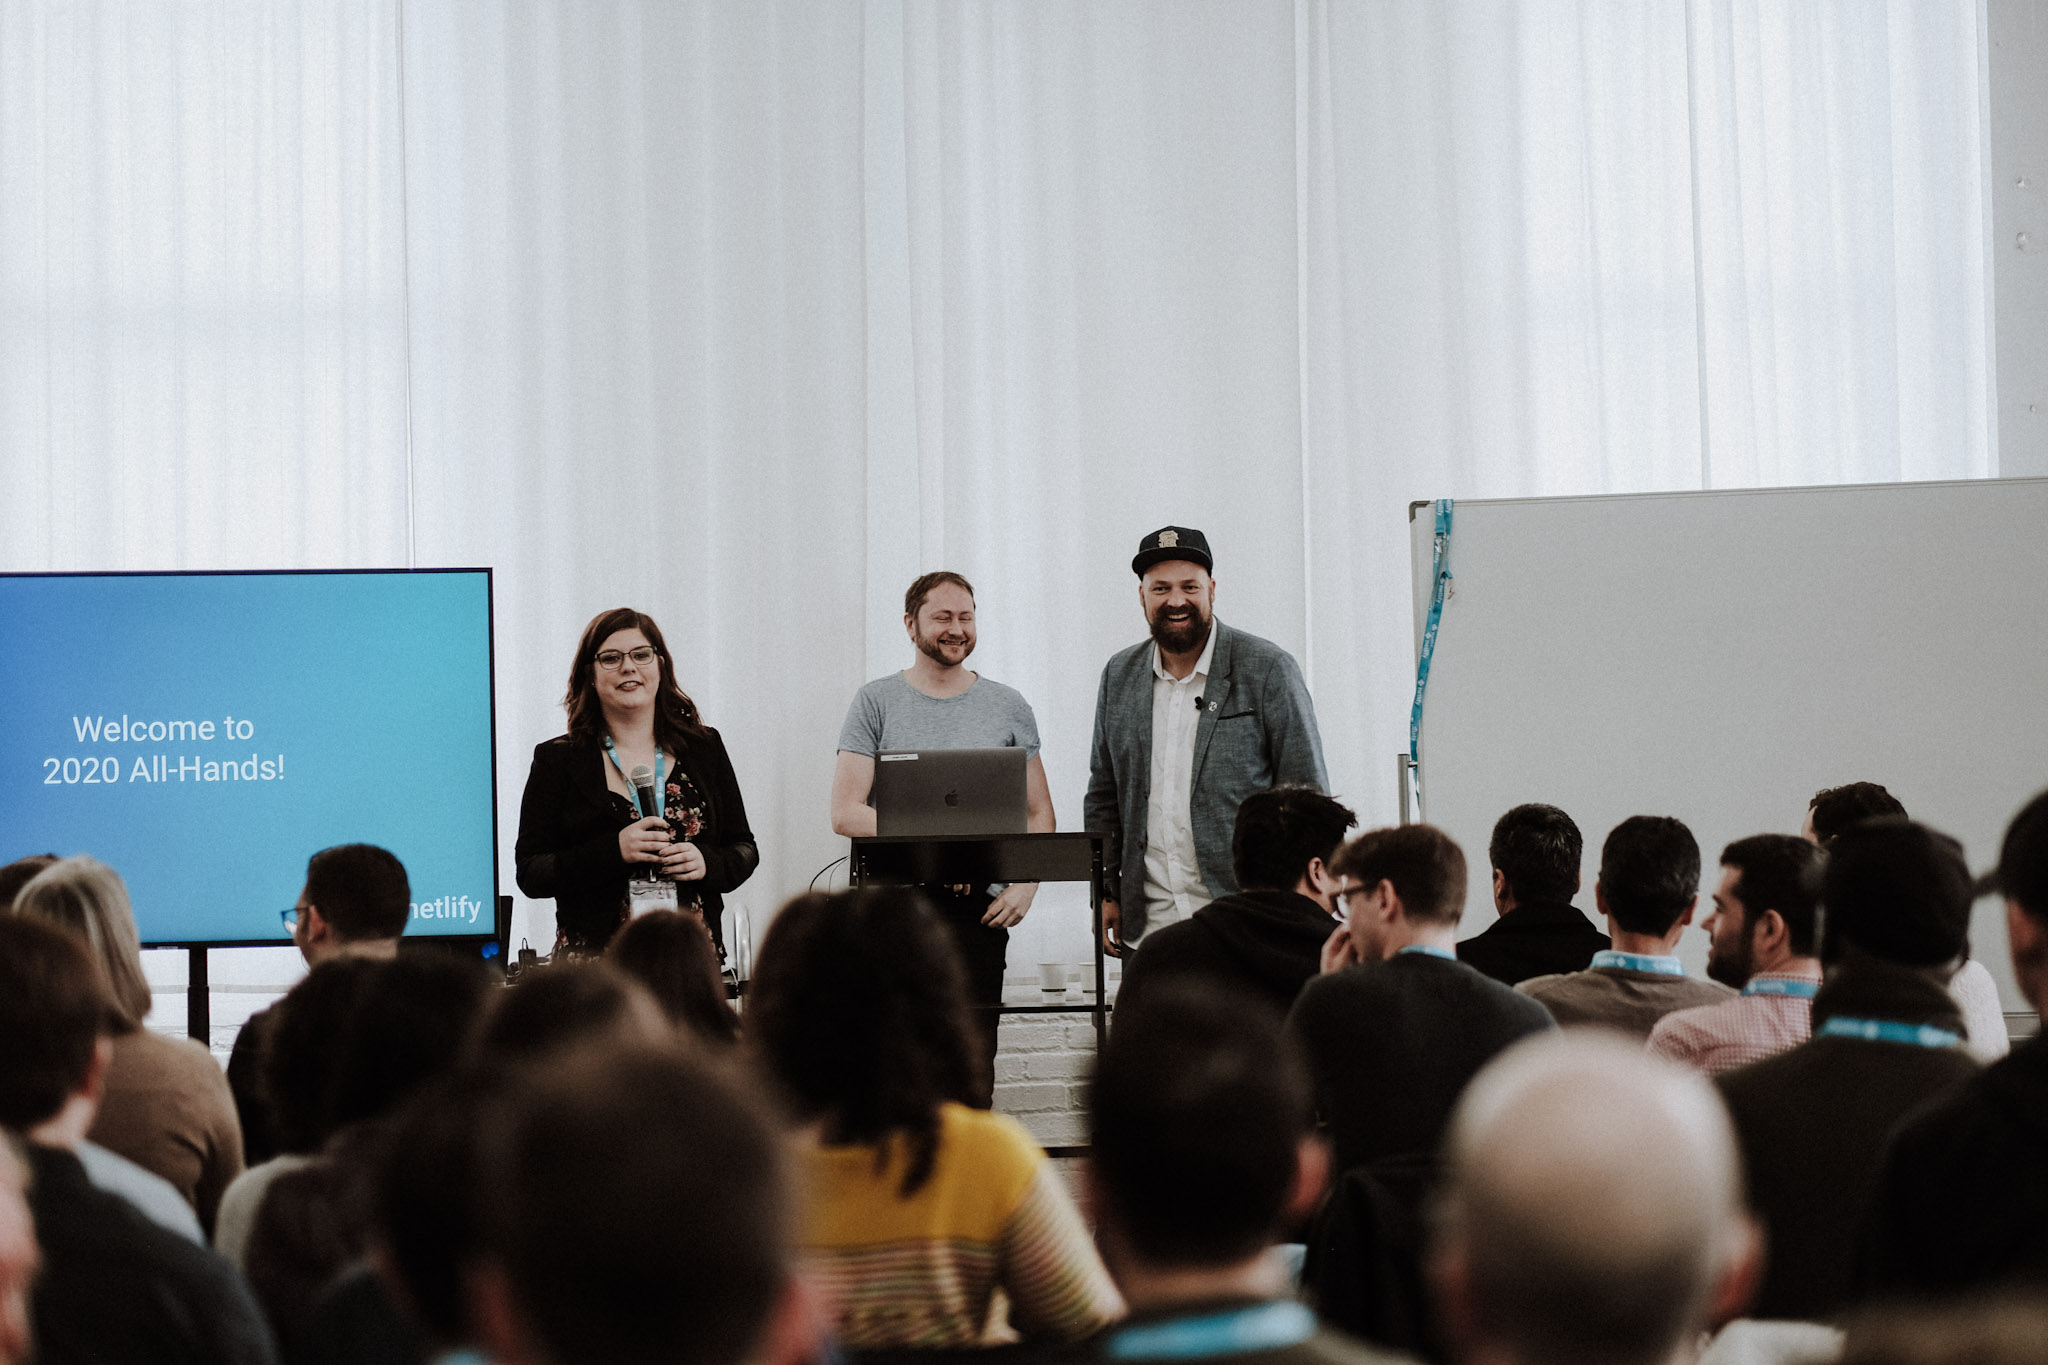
(642, 778)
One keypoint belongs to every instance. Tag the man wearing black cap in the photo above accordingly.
(1887, 1038)
(1187, 724)
(1962, 1205)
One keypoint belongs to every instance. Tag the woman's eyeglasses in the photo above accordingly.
(611, 660)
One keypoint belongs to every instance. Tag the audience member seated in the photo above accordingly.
(19, 1257)
(1396, 1025)
(410, 1020)
(669, 1249)
(1535, 851)
(166, 1105)
(114, 1287)
(1760, 941)
(1834, 809)
(20, 873)
(1204, 1156)
(920, 1208)
(561, 1005)
(355, 903)
(673, 956)
(1649, 883)
(1592, 1210)
(1268, 938)
(1895, 908)
(301, 1053)
(1962, 1204)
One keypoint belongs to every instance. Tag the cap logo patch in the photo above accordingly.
(1168, 539)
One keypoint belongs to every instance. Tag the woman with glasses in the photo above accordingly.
(594, 838)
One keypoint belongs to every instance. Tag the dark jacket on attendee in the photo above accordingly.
(1962, 1202)
(1813, 1124)
(245, 1080)
(115, 1288)
(1391, 1044)
(1269, 943)
(1534, 939)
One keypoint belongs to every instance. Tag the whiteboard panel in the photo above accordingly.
(1722, 656)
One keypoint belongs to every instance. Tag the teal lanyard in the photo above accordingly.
(1889, 1031)
(1778, 985)
(660, 772)
(1639, 962)
(1429, 950)
(1266, 1327)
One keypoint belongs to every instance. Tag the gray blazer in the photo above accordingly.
(1258, 730)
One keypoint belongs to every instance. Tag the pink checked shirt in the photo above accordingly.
(1761, 1022)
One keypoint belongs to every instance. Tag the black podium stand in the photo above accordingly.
(976, 860)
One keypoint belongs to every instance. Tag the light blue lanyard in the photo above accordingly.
(1639, 962)
(1267, 1327)
(1889, 1031)
(1778, 985)
(660, 771)
(1440, 580)
(1430, 950)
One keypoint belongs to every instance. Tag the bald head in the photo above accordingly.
(1593, 1207)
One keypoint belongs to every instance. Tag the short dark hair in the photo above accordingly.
(562, 1005)
(20, 873)
(672, 954)
(1425, 865)
(407, 1029)
(1779, 872)
(2023, 859)
(1280, 832)
(674, 1245)
(1898, 891)
(360, 889)
(921, 587)
(1836, 808)
(1200, 1092)
(53, 1012)
(1649, 873)
(1537, 849)
(302, 1048)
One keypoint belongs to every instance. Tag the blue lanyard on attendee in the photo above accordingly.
(1430, 950)
(660, 771)
(1778, 985)
(1889, 1031)
(1265, 1327)
(1639, 962)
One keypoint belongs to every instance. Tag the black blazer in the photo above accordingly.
(569, 823)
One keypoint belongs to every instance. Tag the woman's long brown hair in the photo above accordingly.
(676, 721)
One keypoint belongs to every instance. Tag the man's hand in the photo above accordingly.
(1010, 907)
(1339, 950)
(1112, 928)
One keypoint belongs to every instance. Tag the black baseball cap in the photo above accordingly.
(1173, 542)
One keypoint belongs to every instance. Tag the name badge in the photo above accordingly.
(643, 896)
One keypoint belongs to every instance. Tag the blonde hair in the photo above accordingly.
(87, 897)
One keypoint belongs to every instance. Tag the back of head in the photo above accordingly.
(565, 1005)
(303, 1051)
(426, 1197)
(1779, 872)
(1280, 832)
(88, 898)
(1897, 891)
(360, 890)
(859, 1013)
(2023, 860)
(672, 955)
(1834, 809)
(1425, 865)
(1537, 848)
(652, 1222)
(1197, 1090)
(20, 873)
(53, 1012)
(1556, 1242)
(1649, 873)
(407, 1028)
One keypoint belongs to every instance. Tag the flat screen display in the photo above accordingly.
(205, 733)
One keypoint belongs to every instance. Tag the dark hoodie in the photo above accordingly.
(1962, 1204)
(1267, 943)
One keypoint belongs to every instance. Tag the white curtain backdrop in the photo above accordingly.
(748, 314)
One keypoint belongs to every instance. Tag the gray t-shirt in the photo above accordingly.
(889, 713)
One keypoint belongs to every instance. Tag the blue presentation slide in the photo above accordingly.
(204, 734)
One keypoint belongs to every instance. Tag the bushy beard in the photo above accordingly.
(1733, 968)
(929, 646)
(1181, 637)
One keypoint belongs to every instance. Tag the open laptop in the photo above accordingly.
(919, 793)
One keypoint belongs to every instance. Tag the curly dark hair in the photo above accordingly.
(859, 1012)
(676, 720)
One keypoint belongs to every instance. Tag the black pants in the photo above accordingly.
(984, 953)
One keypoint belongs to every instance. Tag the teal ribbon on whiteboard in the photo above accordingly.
(1440, 581)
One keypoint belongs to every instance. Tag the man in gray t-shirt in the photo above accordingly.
(939, 703)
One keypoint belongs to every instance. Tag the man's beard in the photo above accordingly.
(1733, 968)
(929, 646)
(1180, 637)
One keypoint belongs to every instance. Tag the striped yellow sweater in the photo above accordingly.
(923, 1271)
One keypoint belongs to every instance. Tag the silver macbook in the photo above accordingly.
(925, 792)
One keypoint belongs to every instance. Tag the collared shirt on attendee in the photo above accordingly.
(1774, 1013)
(1174, 888)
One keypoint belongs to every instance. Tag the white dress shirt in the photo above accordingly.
(1174, 888)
